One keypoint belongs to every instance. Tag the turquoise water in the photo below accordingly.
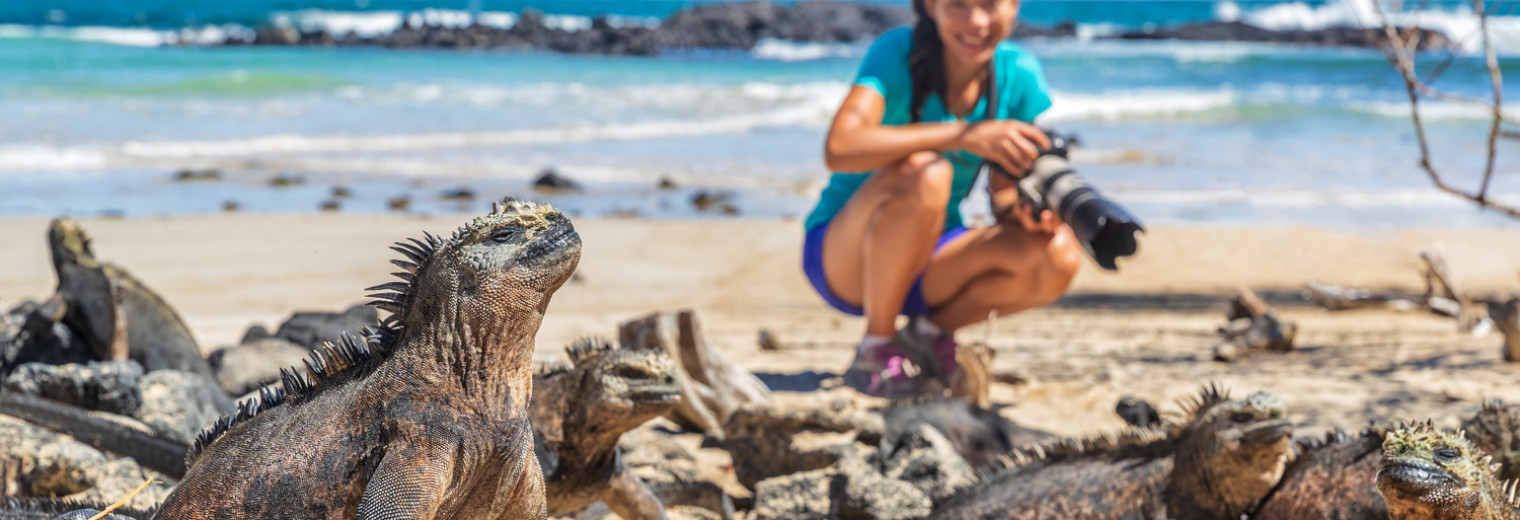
(96, 114)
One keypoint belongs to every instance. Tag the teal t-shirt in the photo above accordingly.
(1022, 95)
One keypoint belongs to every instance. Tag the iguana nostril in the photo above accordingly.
(669, 379)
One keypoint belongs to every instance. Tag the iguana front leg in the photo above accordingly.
(409, 482)
(627, 495)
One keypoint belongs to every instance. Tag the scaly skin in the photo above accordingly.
(580, 413)
(1495, 429)
(117, 315)
(433, 422)
(1428, 474)
(1330, 479)
(1219, 464)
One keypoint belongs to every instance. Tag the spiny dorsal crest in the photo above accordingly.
(1210, 396)
(551, 368)
(323, 364)
(588, 347)
(1130, 442)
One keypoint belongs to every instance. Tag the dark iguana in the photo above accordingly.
(1329, 478)
(580, 413)
(1218, 464)
(60, 509)
(1495, 429)
(1428, 474)
(429, 420)
(116, 315)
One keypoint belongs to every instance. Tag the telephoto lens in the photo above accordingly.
(1106, 230)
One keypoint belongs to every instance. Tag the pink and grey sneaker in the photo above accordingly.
(881, 371)
(944, 352)
(936, 354)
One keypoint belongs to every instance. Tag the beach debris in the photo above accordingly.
(768, 341)
(116, 314)
(107, 386)
(188, 175)
(623, 388)
(1443, 296)
(286, 179)
(666, 183)
(399, 380)
(1137, 412)
(330, 205)
(230, 206)
(549, 180)
(972, 381)
(461, 194)
(342, 192)
(399, 203)
(1252, 326)
(243, 368)
(312, 329)
(712, 387)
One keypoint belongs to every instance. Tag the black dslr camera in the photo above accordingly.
(1105, 229)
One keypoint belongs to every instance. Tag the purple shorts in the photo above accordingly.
(812, 265)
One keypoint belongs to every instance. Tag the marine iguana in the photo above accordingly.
(1428, 474)
(1495, 429)
(428, 418)
(1330, 478)
(579, 414)
(118, 316)
(1218, 464)
(60, 509)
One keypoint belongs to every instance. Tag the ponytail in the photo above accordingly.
(926, 62)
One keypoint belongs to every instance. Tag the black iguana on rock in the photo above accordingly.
(1218, 464)
(430, 420)
(1428, 474)
(581, 412)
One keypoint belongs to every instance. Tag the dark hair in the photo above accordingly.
(926, 62)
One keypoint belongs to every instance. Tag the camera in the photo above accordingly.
(1105, 229)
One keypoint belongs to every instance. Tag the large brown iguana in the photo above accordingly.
(1219, 464)
(1329, 478)
(580, 413)
(1428, 474)
(118, 316)
(430, 420)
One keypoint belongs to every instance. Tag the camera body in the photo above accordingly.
(1105, 229)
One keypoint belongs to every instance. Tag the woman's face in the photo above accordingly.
(971, 29)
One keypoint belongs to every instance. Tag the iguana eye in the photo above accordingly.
(1445, 454)
(1242, 417)
(502, 236)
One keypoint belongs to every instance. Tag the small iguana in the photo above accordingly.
(118, 316)
(1218, 464)
(1428, 474)
(430, 419)
(579, 414)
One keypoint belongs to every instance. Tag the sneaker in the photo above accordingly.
(936, 355)
(881, 371)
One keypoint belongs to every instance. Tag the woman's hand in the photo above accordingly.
(1008, 206)
(1014, 145)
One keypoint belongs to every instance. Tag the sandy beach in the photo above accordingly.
(1146, 331)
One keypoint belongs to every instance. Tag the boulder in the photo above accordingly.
(928, 461)
(54, 465)
(107, 386)
(178, 405)
(312, 329)
(34, 333)
(244, 368)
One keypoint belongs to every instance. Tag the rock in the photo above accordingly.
(656, 455)
(330, 205)
(1244, 32)
(230, 206)
(286, 179)
(270, 35)
(312, 329)
(460, 194)
(849, 489)
(178, 405)
(34, 333)
(1137, 412)
(48, 464)
(666, 183)
(766, 444)
(246, 367)
(401, 203)
(723, 201)
(798, 496)
(978, 434)
(928, 461)
(768, 341)
(342, 192)
(107, 386)
(208, 174)
(254, 332)
(551, 181)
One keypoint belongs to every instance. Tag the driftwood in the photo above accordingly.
(973, 382)
(712, 387)
(1442, 297)
(1253, 326)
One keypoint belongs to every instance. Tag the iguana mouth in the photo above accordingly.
(1268, 431)
(561, 239)
(657, 394)
(1415, 475)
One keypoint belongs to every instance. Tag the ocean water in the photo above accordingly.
(97, 112)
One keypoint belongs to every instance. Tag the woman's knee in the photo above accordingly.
(924, 177)
(1062, 260)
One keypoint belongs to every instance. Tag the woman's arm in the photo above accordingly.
(857, 140)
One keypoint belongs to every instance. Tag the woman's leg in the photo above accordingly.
(1001, 268)
(883, 237)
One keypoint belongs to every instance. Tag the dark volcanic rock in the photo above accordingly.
(551, 180)
(312, 329)
(1244, 32)
(34, 333)
(107, 386)
(178, 405)
(246, 367)
(979, 435)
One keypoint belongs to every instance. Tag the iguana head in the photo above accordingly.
(69, 243)
(623, 386)
(1231, 453)
(488, 273)
(1431, 474)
